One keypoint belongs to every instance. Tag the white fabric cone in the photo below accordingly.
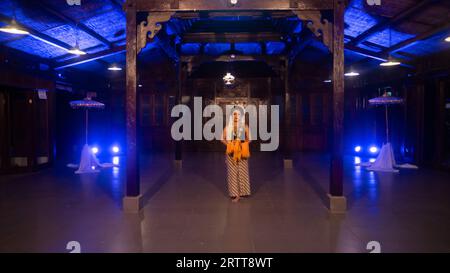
(385, 161)
(89, 162)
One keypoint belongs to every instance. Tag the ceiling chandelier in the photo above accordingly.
(76, 50)
(229, 79)
(13, 27)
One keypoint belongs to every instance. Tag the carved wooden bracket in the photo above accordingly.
(151, 27)
(320, 27)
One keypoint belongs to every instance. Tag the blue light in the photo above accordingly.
(115, 149)
(116, 160)
(95, 150)
(358, 149)
(373, 149)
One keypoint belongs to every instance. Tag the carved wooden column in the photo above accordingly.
(337, 201)
(137, 38)
(131, 202)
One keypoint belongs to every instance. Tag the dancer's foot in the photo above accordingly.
(235, 199)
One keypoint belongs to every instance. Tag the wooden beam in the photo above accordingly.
(337, 146)
(199, 59)
(392, 22)
(221, 5)
(70, 57)
(132, 170)
(375, 56)
(210, 37)
(366, 53)
(90, 57)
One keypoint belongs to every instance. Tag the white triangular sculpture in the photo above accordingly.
(385, 161)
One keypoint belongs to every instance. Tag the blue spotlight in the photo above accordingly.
(95, 150)
(358, 149)
(115, 149)
(373, 149)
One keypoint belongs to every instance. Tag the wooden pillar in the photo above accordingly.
(337, 200)
(287, 152)
(131, 202)
(178, 97)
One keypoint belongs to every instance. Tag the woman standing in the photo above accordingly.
(236, 138)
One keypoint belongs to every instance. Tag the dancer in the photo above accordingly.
(236, 138)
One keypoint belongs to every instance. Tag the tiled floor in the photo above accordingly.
(188, 210)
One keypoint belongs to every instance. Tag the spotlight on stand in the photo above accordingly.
(95, 150)
(373, 149)
(115, 149)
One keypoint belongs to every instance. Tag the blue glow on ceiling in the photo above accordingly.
(190, 48)
(68, 34)
(109, 21)
(27, 15)
(428, 46)
(371, 48)
(33, 46)
(275, 48)
(360, 4)
(382, 38)
(110, 25)
(249, 48)
(87, 9)
(357, 21)
(298, 28)
(216, 48)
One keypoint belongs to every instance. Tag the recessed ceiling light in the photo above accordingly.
(114, 68)
(12, 29)
(327, 81)
(76, 51)
(390, 62)
(352, 74)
